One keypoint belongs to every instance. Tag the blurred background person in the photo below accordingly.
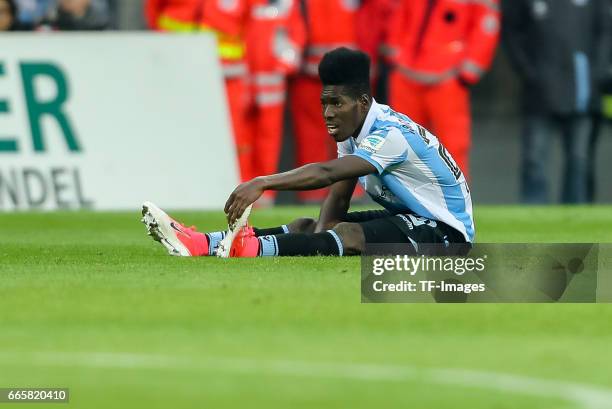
(602, 115)
(8, 15)
(440, 48)
(329, 24)
(375, 15)
(226, 19)
(275, 37)
(560, 50)
(32, 12)
(78, 15)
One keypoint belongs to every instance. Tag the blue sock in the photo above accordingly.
(268, 246)
(213, 241)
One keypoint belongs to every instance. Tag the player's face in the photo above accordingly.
(343, 114)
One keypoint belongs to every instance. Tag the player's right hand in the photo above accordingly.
(243, 196)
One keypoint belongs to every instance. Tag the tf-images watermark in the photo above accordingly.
(487, 273)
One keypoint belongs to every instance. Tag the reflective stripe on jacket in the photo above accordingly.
(223, 18)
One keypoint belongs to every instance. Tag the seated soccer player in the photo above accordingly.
(403, 167)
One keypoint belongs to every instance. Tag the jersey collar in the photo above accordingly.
(369, 121)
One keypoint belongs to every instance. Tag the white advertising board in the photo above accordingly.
(108, 120)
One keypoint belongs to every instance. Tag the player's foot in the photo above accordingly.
(175, 237)
(245, 243)
(225, 245)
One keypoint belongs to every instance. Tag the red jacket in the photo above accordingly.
(225, 18)
(329, 24)
(374, 15)
(275, 36)
(434, 40)
(179, 10)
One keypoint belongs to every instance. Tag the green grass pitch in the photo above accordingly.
(89, 302)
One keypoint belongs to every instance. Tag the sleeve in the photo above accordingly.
(383, 151)
(289, 38)
(482, 39)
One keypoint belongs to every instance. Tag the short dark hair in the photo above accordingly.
(346, 67)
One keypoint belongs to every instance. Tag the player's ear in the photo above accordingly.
(364, 101)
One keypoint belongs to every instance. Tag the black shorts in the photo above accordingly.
(385, 227)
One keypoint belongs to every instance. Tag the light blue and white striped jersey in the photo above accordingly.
(415, 172)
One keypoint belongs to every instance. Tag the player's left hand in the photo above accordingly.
(244, 195)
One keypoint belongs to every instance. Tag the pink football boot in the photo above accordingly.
(240, 229)
(245, 243)
(175, 237)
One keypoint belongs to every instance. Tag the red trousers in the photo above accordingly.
(443, 108)
(312, 142)
(265, 125)
(237, 100)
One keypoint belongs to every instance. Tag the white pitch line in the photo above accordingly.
(584, 395)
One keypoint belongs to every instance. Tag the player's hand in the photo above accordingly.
(244, 195)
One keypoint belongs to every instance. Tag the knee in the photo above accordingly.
(352, 238)
(302, 225)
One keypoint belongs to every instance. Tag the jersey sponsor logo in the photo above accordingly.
(372, 143)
